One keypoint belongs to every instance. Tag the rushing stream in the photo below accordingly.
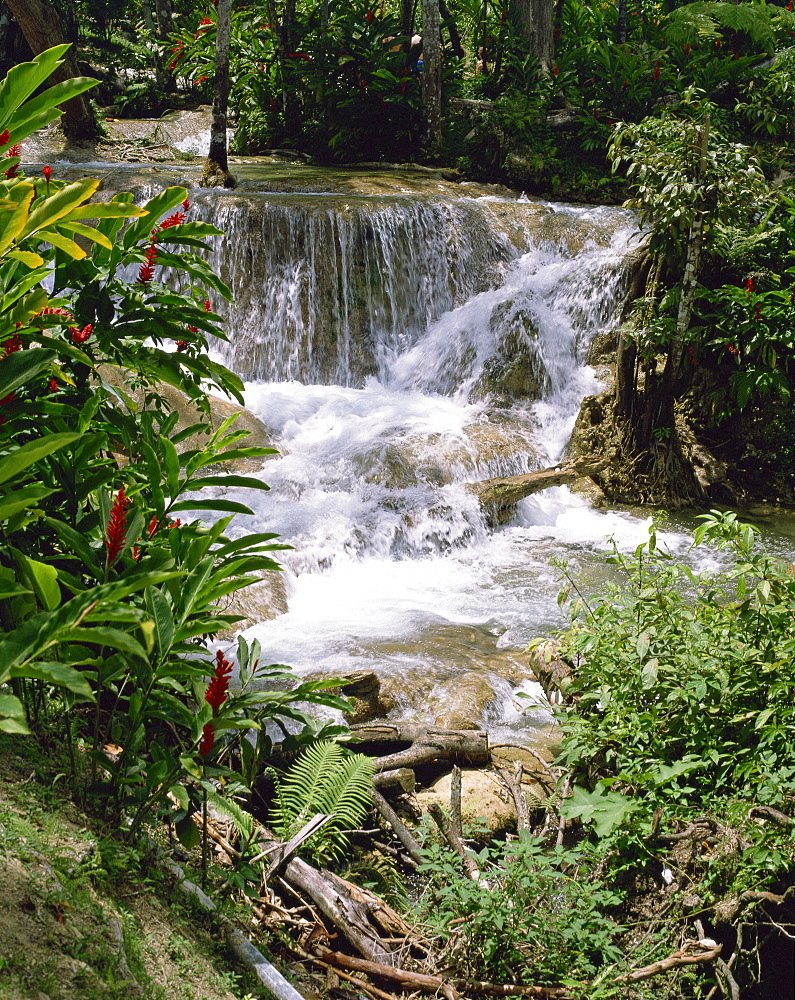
(398, 343)
(400, 337)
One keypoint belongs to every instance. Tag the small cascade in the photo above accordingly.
(333, 289)
(397, 348)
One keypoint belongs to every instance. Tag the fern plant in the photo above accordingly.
(325, 778)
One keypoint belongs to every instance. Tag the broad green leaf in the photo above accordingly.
(17, 219)
(56, 206)
(21, 367)
(74, 250)
(28, 258)
(44, 579)
(12, 715)
(227, 505)
(21, 499)
(87, 232)
(28, 454)
(224, 479)
(56, 673)
(163, 618)
(154, 209)
(648, 676)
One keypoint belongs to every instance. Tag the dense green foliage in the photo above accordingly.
(536, 916)
(108, 598)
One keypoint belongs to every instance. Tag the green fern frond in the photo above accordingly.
(706, 20)
(376, 872)
(242, 820)
(739, 246)
(324, 778)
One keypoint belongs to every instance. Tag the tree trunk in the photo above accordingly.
(452, 30)
(216, 169)
(534, 21)
(43, 29)
(432, 77)
(621, 24)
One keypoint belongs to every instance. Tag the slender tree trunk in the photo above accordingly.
(164, 13)
(42, 29)
(216, 169)
(407, 19)
(534, 20)
(452, 30)
(621, 23)
(695, 243)
(432, 76)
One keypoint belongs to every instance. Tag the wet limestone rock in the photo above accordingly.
(220, 410)
(260, 602)
(485, 801)
(460, 701)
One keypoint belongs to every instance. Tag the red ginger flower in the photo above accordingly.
(207, 741)
(147, 269)
(153, 525)
(8, 399)
(5, 136)
(12, 346)
(47, 171)
(81, 336)
(182, 345)
(217, 689)
(749, 286)
(53, 386)
(117, 528)
(175, 219)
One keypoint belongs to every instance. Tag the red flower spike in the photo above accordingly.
(153, 525)
(369, 15)
(555, 71)
(207, 305)
(757, 313)
(8, 399)
(182, 345)
(117, 528)
(175, 219)
(81, 336)
(47, 171)
(186, 204)
(176, 524)
(12, 346)
(53, 386)
(207, 741)
(147, 269)
(191, 329)
(749, 286)
(217, 689)
(5, 137)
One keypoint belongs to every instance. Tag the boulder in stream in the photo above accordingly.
(486, 804)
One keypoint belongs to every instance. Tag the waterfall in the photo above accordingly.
(398, 346)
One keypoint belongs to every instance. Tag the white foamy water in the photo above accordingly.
(394, 568)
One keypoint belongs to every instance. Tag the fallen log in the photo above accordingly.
(402, 778)
(432, 984)
(497, 496)
(691, 953)
(427, 744)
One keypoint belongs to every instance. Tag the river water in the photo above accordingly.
(401, 337)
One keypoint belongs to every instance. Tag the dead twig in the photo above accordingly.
(691, 953)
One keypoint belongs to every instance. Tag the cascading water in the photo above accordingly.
(398, 348)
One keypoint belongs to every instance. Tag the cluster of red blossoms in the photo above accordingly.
(216, 694)
(116, 532)
(147, 269)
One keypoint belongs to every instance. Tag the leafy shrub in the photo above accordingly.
(535, 917)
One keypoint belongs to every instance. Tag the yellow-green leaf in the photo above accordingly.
(27, 257)
(63, 243)
(87, 232)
